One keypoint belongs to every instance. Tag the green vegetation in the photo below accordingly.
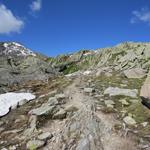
(118, 80)
(135, 108)
(33, 147)
(71, 69)
(139, 112)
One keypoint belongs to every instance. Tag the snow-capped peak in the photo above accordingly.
(14, 49)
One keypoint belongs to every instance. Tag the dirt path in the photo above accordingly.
(86, 128)
(109, 138)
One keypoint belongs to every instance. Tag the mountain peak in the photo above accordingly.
(14, 49)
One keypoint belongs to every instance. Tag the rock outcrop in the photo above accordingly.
(145, 91)
(111, 91)
(135, 73)
(19, 65)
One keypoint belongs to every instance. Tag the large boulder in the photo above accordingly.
(115, 91)
(129, 121)
(89, 90)
(135, 73)
(145, 92)
(45, 109)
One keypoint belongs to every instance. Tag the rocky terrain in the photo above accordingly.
(88, 100)
(19, 64)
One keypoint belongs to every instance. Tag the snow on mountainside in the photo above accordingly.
(12, 100)
(14, 49)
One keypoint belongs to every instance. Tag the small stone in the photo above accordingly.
(89, 90)
(52, 101)
(45, 136)
(98, 108)
(99, 72)
(4, 149)
(110, 106)
(35, 144)
(88, 72)
(124, 102)
(2, 142)
(12, 147)
(61, 114)
(107, 74)
(1, 123)
(71, 108)
(144, 124)
(1, 129)
(134, 100)
(109, 102)
(97, 96)
(24, 101)
(129, 120)
(32, 126)
(60, 96)
(43, 110)
(17, 120)
(123, 85)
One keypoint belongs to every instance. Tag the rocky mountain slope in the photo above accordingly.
(121, 57)
(89, 100)
(19, 64)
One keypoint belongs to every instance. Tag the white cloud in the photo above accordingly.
(141, 16)
(36, 5)
(8, 22)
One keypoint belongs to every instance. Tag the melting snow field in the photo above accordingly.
(11, 100)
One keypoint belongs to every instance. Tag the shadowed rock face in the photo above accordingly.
(146, 102)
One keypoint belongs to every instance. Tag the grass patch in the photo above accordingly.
(140, 113)
(118, 80)
(71, 69)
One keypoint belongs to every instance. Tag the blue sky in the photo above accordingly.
(54, 27)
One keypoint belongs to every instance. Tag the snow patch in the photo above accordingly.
(17, 44)
(11, 100)
(17, 49)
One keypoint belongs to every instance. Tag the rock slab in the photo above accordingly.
(115, 91)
